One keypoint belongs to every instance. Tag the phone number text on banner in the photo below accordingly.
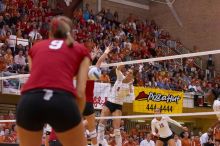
(149, 99)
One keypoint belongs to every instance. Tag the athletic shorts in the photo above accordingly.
(89, 109)
(113, 106)
(57, 108)
(165, 140)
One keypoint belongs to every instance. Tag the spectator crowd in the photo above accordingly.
(139, 134)
(132, 39)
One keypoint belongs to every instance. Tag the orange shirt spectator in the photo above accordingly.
(135, 46)
(2, 139)
(185, 140)
(104, 77)
(196, 141)
(140, 82)
(2, 63)
(8, 57)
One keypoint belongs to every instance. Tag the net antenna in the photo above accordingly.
(173, 11)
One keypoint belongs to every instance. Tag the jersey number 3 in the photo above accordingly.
(56, 44)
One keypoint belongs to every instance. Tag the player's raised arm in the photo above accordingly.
(176, 123)
(104, 55)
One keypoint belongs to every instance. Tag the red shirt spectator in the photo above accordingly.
(43, 3)
(30, 4)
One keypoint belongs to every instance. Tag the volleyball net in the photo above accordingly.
(175, 84)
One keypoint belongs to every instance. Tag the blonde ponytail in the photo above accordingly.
(62, 28)
(69, 39)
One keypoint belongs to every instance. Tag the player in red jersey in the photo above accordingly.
(89, 112)
(49, 95)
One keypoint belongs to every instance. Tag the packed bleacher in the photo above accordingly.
(23, 23)
(132, 39)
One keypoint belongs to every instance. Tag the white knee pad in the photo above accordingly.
(101, 132)
(101, 128)
(118, 138)
(86, 133)
(92, 134)
(117, 132)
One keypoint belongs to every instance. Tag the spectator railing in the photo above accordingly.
(169, 51)
(182, 50)
(179, 50)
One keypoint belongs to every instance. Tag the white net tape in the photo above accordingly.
(146, 116)
(164, 58)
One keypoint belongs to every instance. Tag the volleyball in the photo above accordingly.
(94, 73)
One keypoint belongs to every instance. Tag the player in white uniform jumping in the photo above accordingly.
(214, 94)
(164, 134)
(121, 89)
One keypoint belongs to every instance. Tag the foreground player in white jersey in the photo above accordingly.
(214, 94)
(165, 135)
(121, 89)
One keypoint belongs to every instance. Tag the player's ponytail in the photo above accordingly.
(61, 28)
(69, 39)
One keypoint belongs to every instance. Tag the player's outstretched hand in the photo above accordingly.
(108, 48)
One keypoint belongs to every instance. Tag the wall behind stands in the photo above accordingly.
(200, 18)
(93, 4)
(123, 10)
